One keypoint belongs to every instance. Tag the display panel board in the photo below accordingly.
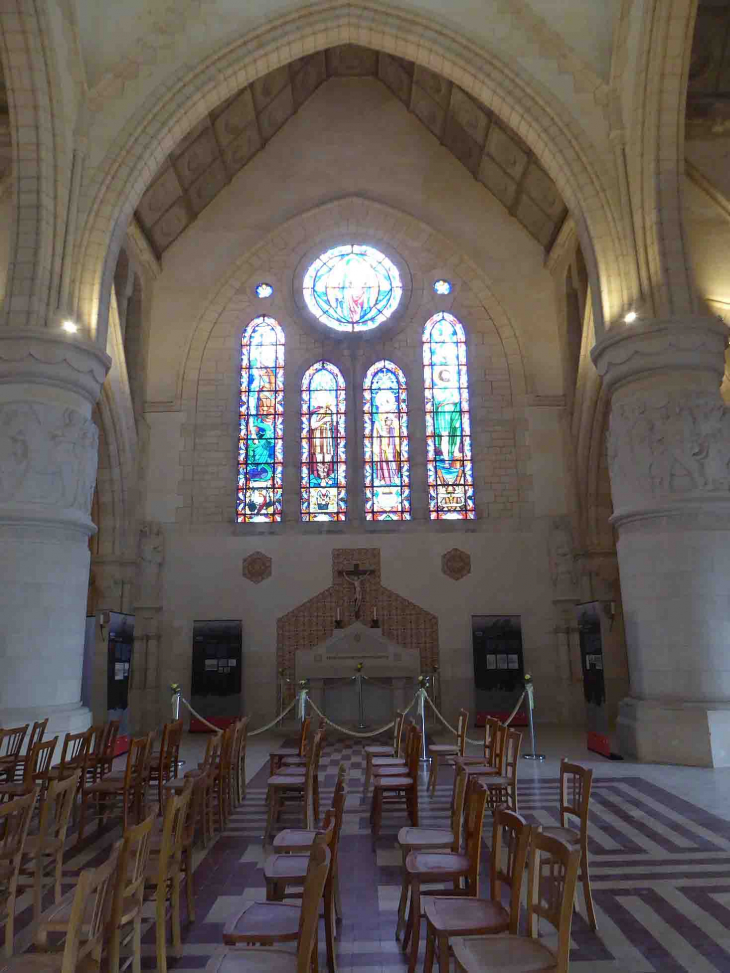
(216, 673)
(498, 666)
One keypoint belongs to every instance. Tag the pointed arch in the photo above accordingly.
(448, 428)
(261, 429)
(385, 443)
(324, 446)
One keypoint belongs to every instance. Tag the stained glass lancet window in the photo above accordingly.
(261, 430)
(324, 461)
(352, 288)
(448, 438)
(387, 470)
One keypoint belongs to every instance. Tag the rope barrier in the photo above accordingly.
(251, 733)
(199, 717)
(380, 685)
(468, 739)
(353, 733)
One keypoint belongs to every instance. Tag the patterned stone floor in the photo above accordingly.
(660, 866)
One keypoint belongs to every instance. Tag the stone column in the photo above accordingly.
(49, 382)
(669, 458)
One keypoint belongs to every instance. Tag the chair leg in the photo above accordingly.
(160, 932)
(329, 925)
(368, 773)
(176, 932)
(432, 775)
(114, 944)
(443, 954)
(587, 889)
(402, 904)
(9, 924)
(415, 925)
(38, 886)
(137, 946)
(338, 900)
(430, 949)
(189, 891)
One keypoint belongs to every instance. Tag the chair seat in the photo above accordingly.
(415, 839)
(287, 771)
(285, 752)
(291, 867)
(107, 785)
(376, 751)
(502, 954)
(459, 915)
(284, 780)
(435, 864)
(388, 762)
(482, 770)
(292, 839)
(443, 750)
(264, 920)
(249, 960)
(394, 771)
(175, 784)
(383, 783)
(32, 962)
(468, 759)
(294, 761)
(14, 790)
(569, 835)
(33, 844)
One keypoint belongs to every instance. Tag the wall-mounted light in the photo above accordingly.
(70, 326)
(630, 317)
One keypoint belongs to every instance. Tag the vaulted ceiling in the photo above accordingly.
(209, 156)
(708, 94)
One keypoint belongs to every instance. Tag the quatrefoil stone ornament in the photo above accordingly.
(456, 564)
(257, 567)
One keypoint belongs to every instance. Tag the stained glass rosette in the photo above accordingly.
(387, 467)
(261, 428)
(324, 454)
(448, 431)
(352, 288)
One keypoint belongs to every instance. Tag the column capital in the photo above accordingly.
(648, 352)
(40, 356)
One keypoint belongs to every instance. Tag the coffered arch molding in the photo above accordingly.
(558, 141)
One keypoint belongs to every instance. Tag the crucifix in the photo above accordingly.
(355, 578)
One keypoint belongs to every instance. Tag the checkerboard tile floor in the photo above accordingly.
(660, 868)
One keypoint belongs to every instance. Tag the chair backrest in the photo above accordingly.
(462, 726)
(38, 763)
(136, 769)
(499, 752)
(398, 722)
(511, 759)
(339, 783)
(476, 800)
(458, 797)
(14, 822)
(94, 885)
(338, 809)
(110, 742)
(96, 744)
(57, 807)
(173, 830)
(512, 833)
(491, 723)
(317, 870)
(131, 868)
(405, 744)
(75, 748)
(11, 740)
(552, 879)
(174, 739)
(38, 731)
(303, 736)
(575, 793)
(212, 749)
(414, 755)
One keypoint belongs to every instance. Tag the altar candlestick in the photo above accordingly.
(338, 615)
(375, 613)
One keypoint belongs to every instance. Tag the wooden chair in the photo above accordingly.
(489, 755)
(275, 960)
(552, 878)
(14, 822)
(298, 770)
(44, 851)
(164, 874)
(439, 751)
(432, 839)
(127, 900)
(11, 743)
(502, 788)
(460, 870)
(373, 750)
(575, 795)
(395, 766)
(195, 821)
(222, 773)
(394, 790)
(36, 767)
(125, 790)
(282, 871)
(111, 736)
(203, 799)
(96, 753)
(276, 756)
(73, 755)
(238, 763)
(451, 916)
(83, 945)
(38, 731)
(285, 788)
(164, 762)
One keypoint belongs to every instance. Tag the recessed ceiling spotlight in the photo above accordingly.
(442, 287)
(70, 326)
(264, 290)
(630, 317)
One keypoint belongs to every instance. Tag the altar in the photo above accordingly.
(391, 674)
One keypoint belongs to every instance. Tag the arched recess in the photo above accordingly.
(656, 169)
(562, 146)
(41, 167)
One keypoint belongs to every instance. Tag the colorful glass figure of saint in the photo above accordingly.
(448, 436)
(261, 430)
(352, 288)
(324, 460)
(387, 469)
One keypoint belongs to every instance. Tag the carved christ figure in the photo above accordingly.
(322, 442)
(356, 583)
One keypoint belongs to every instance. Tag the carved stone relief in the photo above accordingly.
(456, 564)
(563, 570)
(668, 445)
(257, 567)
(48, 455)
(151, 558)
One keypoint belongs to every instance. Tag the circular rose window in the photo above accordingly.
(352, 288)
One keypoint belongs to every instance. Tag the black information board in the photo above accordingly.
(120, 643)
(216, 676)
(499, 670)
